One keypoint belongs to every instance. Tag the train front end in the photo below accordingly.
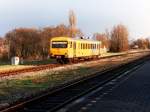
(59, 49)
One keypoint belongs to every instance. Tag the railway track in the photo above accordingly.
(54, 100)
(26, 70)
(50, 66)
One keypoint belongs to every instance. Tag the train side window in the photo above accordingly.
(70, 44)
(81, 46)
(74, 45)
(86, 45)
(90, 45)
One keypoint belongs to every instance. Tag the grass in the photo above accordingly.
(39, 62)
(6, 66)
(14, 89)
(4, 63)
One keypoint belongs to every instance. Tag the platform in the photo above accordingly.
(132, 94)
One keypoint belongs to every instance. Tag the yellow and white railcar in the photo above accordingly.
(65, 48)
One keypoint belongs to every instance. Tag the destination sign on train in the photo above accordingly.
(59, 42)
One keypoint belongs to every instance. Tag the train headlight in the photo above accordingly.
(66, 55)
(51, 55)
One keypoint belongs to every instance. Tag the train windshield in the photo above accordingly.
(56, 44)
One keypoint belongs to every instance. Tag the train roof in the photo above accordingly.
(69, 38)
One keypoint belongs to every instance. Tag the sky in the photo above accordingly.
(92, 15)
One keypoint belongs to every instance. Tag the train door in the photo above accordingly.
(74, 49)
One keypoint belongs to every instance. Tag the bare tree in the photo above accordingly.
(3, 49)
(141, 43)
(73, 23)
(119, 38)
(33, 43)
(147, 43)
(24, 42)
(1, 46)
(103, 37)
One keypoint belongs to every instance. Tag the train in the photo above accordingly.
(67, 49)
